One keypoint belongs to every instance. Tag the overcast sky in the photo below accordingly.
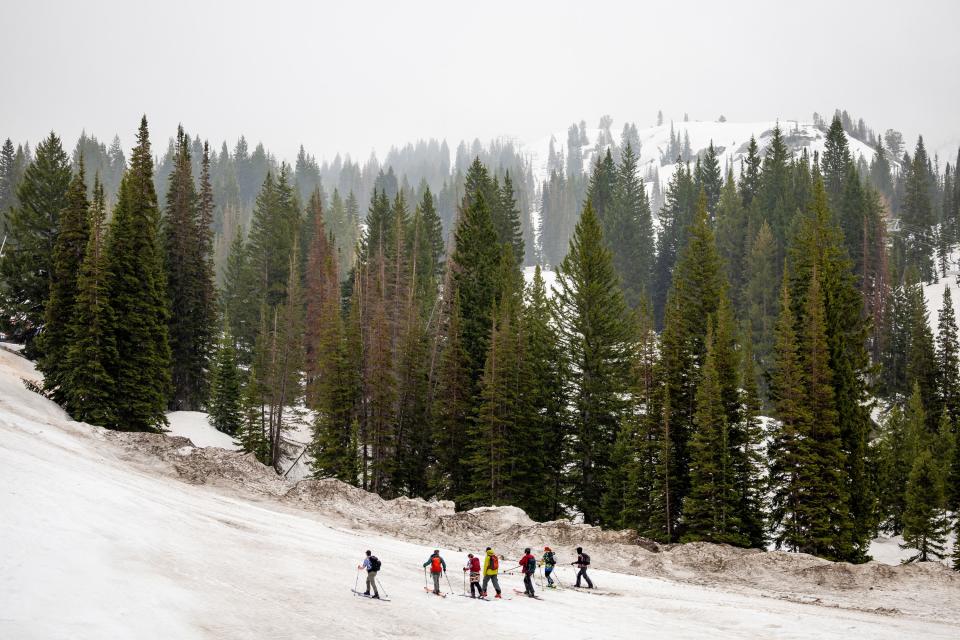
(356, 75)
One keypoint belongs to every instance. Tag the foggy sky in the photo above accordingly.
(356, 76)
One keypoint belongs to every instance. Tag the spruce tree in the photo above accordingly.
(183, 264)
(226, 402)
(710, 508)
(750, 174)
(137, 294)
(476, 255)
(68, 252)
(26, 268)
(916, 215)
(948, 360)
(545, 399)
(786, 449)
(497, 438)
(597, 337)
(452, 406)
(8, 187)
(695, 296)
(92, 351)
(836, 163)
(709, 178)
(824, 508)
(924, 521)
(760, 304)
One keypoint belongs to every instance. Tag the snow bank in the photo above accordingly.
(196, 426)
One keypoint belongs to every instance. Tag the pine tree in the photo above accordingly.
(924, 521)
(710, 508)
(759, 298)
(734, 238)
(8, 187)
(92, 353)
(824, 509)
(786, 449)
(676, 217)
(596, 336)
(836, 163)
(226, 406)
(948, 360)
(27, 265)
(750, 174)
(709, 178)
(545, 399)
(894, 465)
(817, 245)
(184, 264)
(916, 216)
(695, 296)
(452, 405)
(496, 437)
(137, 294)
(506, 219)
(68, 251)
(630, 234)
(476, 255)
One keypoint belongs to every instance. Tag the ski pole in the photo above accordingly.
(448, 581)
(464, 583)
(380, 584)
(356, 582)
(425, 586)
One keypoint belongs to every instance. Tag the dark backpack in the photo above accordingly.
(531, 565)
(548, 559)
(585, 559)
(374, 563)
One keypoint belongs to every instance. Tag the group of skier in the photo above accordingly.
(484, 572)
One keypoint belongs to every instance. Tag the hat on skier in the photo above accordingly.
(547, 549)
(579, 549)
(527, 550)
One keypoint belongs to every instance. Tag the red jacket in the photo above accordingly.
(525, 559)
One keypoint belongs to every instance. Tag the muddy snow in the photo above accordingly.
(113, 535)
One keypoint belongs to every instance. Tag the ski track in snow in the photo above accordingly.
(97, 546)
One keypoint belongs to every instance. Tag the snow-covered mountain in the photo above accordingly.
(730, 139)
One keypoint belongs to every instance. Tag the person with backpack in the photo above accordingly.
(438, 567)
(549, 561)
(583, 561)
(372, 564)
(491, 567)
(473, 567)
(528, 564)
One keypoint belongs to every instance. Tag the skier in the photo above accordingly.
(529, 565)
(473, 567)
(583, 561)
(491, 566)
(372, 564)
(549, 561)
(437, 567)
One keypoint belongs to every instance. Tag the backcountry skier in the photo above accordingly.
(549, 561)
(491, 567)
(437, 567)
(473, 568)
(528, 564)
(583, 561)
(372, 564)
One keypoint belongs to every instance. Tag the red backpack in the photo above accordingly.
(435, 566)
(494, 562)
(475, 565)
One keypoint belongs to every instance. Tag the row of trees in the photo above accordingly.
(630, 392)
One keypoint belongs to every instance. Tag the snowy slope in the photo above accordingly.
(108, 535)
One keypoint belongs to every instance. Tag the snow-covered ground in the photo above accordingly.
(196, 426)
(108, 535)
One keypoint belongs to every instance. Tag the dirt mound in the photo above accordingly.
(334, 497)
(198, 465)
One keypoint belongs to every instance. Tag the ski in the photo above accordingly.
(430, 591)
(369, 597)
(594, 591)
(524, 593)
